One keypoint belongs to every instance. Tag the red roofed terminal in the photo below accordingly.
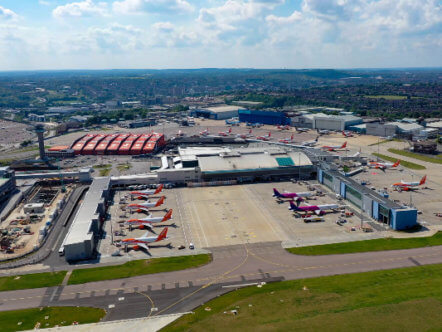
(118, 144)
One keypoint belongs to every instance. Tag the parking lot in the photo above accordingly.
(229, 215)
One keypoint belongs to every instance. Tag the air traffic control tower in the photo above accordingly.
(39, 129)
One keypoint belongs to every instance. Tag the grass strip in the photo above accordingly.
(407, 299)
(46, 317)
(369, 245)
(138, 267)
(34, 280)
(386, 141)
(404, 163)
(410, 154)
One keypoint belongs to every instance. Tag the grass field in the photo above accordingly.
(407, 299)
(434, 160)
(404, 163)
(386, 97)
(137, 268)
(369, 245)
(27, 319)
(104, 169)
(35, 280)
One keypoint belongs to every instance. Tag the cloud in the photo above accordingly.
(163, 26)
(132, 7)
(79, 9)
(7, 14)
(295, 16)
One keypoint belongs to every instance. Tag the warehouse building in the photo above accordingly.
(217, 112)
(376, 206)
(324, 121)
(80, 241)
(264, 117)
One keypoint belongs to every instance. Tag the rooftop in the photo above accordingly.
(224, 108)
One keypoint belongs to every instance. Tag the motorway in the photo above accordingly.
(181, 291)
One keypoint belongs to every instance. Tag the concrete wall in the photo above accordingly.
(329, 123)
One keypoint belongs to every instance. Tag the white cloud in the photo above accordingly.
(296, 16)
(79, 9)
(7, 14)
(152, 7)
(163, 26)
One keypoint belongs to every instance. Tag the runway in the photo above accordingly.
(180, 291)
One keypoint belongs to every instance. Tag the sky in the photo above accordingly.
(109, 34)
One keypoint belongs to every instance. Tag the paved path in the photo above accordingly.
(166, 293)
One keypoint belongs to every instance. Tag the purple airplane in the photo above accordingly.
(318, 209)
(277, 194)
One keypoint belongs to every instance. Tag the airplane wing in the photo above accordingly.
(318, 212)
(143, 245)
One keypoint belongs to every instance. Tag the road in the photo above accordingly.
(231, 266)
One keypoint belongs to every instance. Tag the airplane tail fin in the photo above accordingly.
(162, 235)
(160, 201)
(423, 180)
(230, 130)
(159, 189)
(270, 133)
(396, 163)
(293, 206)
(276, 193)
(344, 145)
(168, 215)
(292, 137)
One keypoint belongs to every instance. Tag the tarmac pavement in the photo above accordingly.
(232, 266)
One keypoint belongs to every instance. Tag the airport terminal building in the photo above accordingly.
(80, 241)
(375, 205)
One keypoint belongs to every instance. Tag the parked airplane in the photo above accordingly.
(205, 132)
(145, 206)
(323, 131)
(383, 166)
(407, 186)
(265, 137)
(318, 209)
(144, 240)
(287, 140)
(244, 136)
(347, 133)
(281, 127)
(285, 194)
(310, 143)
(147, 192)
(225, 133)
(302, 130)
(334, 147)
(148, 221)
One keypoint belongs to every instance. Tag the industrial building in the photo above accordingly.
(400, 129)
(264, 117)
(217, 112)
(80, 241)
(118, 144)
(375, 205)
(325, 121)
(7, 183)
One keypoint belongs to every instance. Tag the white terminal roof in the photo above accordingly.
(81, 225)
(437, 124)
(252, 159)
(406, 126)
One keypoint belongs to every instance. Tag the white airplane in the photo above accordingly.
(323, 131)
(302, 130)
(334, 147)
(408, 186)
(225, 133)
(145, 206)
(205, 132)
(383, 166)
(310, 143)
(144, 240)
(244, 136)
(148, 221)
(265, 137)
(147, 192)
(317, 209)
